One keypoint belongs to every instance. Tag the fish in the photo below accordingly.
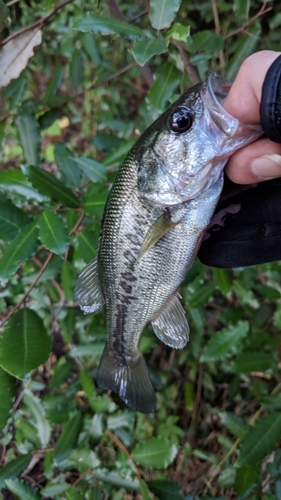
(155, 216)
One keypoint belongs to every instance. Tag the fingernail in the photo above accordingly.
(267, 167)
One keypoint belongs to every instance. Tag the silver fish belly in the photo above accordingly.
(161, 202)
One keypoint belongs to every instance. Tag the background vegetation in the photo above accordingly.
(102, 72)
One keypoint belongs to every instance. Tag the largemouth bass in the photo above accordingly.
(160, 204)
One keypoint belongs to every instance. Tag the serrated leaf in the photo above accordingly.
(165, 490)
(7, 396)
(163, 13)
(29, 132)
(252, 362)
(166, 81)
(225, 342)
(143, 50)
(15, 181)
(87, 244)
(155, 452)
(39, 419)
(53, 232)
(107, 26)
(49, 185)
(68, 439)
(84, 459)
(22, 490)
(261, 439)
(12, 219)
(54, 490)
(94, 170)
(14, 468)
(25, 343)
(233, 423)
(15, 54)
(20, 249)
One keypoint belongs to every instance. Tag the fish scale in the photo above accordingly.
(160, 204)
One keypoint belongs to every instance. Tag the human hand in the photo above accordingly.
(261, 160)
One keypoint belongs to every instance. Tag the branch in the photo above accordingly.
(38, 23)
(191, 70)
(218, 30)
(122, 447)
(21, 301)
(246, 26)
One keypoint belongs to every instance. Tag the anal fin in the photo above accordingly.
(130, 380)
(87, 290)
(171, 325)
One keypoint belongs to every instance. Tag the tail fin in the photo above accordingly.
(132, 381)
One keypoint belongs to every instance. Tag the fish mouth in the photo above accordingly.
(215, 90)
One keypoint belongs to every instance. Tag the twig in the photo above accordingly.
(218, 30)
(74, 229)
(117, 14)
(9, 4)
(237, 442)
(246, 26)
(21, 301)
(123, 448)
(191, 70)
(81, 477)
(37, 23)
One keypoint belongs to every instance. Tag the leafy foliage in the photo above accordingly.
(101, 73)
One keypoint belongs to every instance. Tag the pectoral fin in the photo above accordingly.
(160, 227)
(88, 291)
(171, 325)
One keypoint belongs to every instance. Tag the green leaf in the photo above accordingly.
(143, 50)
(119, 153)
(223, 279)
(206, 41)
(144, 491)
(68, 439)
(67, 279)
(94, 200)
(12, 219)
(84, 459)
(38, 413)
(25, 343)
(165, 490)
(49, 185)
(54, 490)
(233, 423)
(252, 362)
(15, 181)
(163, 13)
(7, 396)
(246, 45)
(87, 244)
(53, 232)
(246, 479)
(261, 439)
(166, 81)
(20, 249)
(241, 10)
(28, 129)
(66, 164)
(225, 342)
(178, 32)
(107, 26)
(54, 84)
(76, 68)
(93, 169)
(14, 468)
(155, 452)
(22, 490)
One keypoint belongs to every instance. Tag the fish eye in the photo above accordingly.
(181, 120)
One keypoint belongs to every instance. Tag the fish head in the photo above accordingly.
(182, 154)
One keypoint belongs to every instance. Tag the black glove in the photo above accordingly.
(246, 226)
